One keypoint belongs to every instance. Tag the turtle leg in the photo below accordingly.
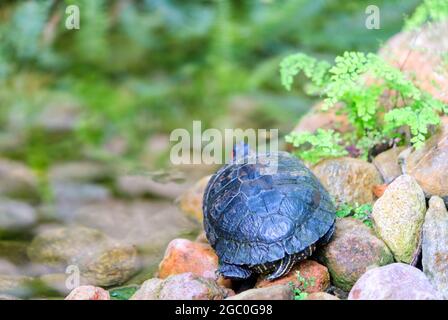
(234, 271)
(283, 268)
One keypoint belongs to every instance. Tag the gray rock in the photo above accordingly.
(144, 185)
(15, 285)
(398, 217)
(435, 245)
(428, 165)
(69, 197)
(150, 226)
(348, 180)
(353, 250)
(101, 260)
(397, 281)
(185, 286)
(17, 180)
(16, 215)
(81, 171)
(277, 292)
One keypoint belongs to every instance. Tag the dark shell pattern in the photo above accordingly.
(252, 217)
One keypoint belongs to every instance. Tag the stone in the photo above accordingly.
(348, 180)
(397, 281)
(16, 215)
(183, 255)
(16, 285)
(80, 171)
(56, 282)
(101, 260)
(88, 293)
(190, 201)
(8, 297)
(398, 217)
(387, 164)
(143, 185)
(69, 197)
(148, 225)
(277, 292)
(321, 296)
(421, 54)
(17, 180)
(435, 245)
(353, 250)
(310, 270)
(185, 286)
(428, 165)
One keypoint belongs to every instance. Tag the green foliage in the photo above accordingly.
(122, 293)
(356, 84)
(139, 67)
(360, 212)
(299, 290)
(428, 11)
(314, 147)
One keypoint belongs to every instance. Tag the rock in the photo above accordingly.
(435, 245)
(17, 180)
(348, 180)
(149, 225)
(56, 282)
(278, 292)
(183, 256)
(88, 293)
(321, 296)
(16, 215)
(190, 201)
(143, 185)
(318, 119)
(398, 217)
(69, 197)
(397, 281)
(8, 268)
(82, 171)
(202, 238)
(421, 55)
(15, 285)
(101, 260)
(352, 251)
(185, 286)
(388, 165)
(310, 270)
(428, 165)
(14, 251)
(8, 297)
(379, 190)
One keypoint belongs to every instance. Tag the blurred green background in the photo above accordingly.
(138, 69)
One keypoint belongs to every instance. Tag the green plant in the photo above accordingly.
(299, 290)
(356, 83)
(314, 147)
(428, 11)
(360, 212)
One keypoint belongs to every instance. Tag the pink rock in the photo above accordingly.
(88, 293)
(397, 281)
(185, 286)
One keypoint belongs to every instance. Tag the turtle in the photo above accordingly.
(261, 221)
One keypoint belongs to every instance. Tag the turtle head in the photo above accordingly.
(240, 150)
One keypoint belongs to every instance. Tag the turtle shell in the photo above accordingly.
(253, 216)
